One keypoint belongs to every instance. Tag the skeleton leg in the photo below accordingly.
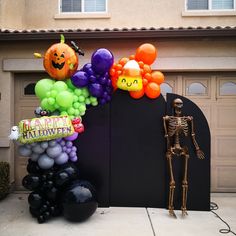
(185, 155)
(169, 157)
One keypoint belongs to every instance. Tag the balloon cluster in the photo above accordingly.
(63, 97)
(95, 76)
(46, 153)
(51, 188)
(145, 56)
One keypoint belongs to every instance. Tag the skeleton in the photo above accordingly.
(175, 127)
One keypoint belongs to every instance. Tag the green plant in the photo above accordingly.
(4, 179)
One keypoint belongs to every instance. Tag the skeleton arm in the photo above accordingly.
(165, 118)
(199, 152)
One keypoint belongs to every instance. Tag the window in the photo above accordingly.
(83, 6)
(228, 88)
(166, 88)
(196, 89)
(210, 4)
(29, 89)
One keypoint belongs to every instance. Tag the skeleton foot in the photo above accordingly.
(184, 212)
(172, 213)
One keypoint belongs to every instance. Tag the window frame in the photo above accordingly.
(82, 9)
(220, 80)
(209, 11)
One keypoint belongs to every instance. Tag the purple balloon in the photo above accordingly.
(92, 78)
(64, 148)
(69, 144)
(80, 79)
(74, 159)
(62, 143)
(109, 83)
(74, 149)
(102, 60)
(72, 154)
(102, 101)
(87, 66)
(96, 90)
(72, 137)
(102, 80)
(68, 150)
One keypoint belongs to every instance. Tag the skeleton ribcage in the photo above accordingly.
(177, 125)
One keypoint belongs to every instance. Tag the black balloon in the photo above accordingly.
(31, 181)
(79, 201)
(35, 200)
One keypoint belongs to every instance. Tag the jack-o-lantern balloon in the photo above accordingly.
(60, 60)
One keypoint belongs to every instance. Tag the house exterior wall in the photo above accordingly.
(34, 14)
(174, 55)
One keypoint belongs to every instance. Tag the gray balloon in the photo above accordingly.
(34, 156)
(28, 146)
(52, 143)
(24, 151)
(37, 149)
(54, 151)
(45, 162)
(44, 145)
(33, 144)
(62, 158)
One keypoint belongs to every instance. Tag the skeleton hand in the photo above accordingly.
(200, 154)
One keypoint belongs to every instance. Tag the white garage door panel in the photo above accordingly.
(225, 147)
(226, 178)
(226, 116)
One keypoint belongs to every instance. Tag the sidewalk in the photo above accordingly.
(15, 220)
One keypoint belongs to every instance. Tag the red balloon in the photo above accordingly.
(152, 90)
(146, 53)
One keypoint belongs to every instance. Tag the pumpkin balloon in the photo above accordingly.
(60, 60)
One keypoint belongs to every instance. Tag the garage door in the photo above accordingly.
(215, 94)
(25, 104)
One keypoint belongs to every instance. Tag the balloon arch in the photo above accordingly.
(53, 173)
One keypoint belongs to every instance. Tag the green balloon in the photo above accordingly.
(60, 86)
(85, 92)
(76, 105)
(71, 111)
(93, 99)
(64, 113)
(45, 105)
(87, 101)
(53, 93)
(42, 87)
(75, 98)
(78, 92)
(94, 103)
(70, 85)
(64, 99)
(51, 101)
(77, 112)
(81, 98)
(82, 108)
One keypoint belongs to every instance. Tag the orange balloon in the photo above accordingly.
(148, 76)
(114, 82)
(137, 94)
(142, 72)
(145, 82)
(123, 61)
(147, 68)
(146, 53)
(141, 64)
(132, 57)
(119, 67)
(157, 77)
(118, 73)
(112, 71)
(152, 90)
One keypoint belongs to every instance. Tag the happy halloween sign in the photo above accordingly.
(45, 128)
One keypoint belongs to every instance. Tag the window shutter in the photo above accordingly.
(222, 4)
(71, 6)
(94, 5)
(197, 5)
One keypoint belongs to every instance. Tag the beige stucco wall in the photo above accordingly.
(44, 14)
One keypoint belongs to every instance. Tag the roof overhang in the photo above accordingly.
(190, 32)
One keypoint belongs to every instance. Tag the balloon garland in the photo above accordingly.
(135, 74)
(53, 173)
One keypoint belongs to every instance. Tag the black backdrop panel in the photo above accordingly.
(93, 151)
(198, 170)
(138, 170)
